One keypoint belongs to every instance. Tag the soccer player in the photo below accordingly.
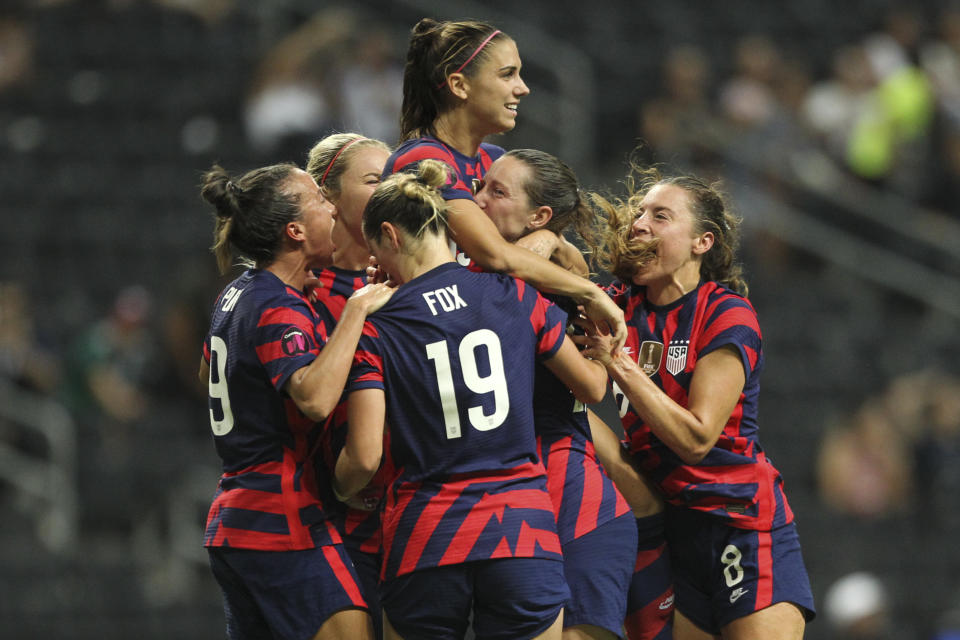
(347, 167)
(461, 84)
(688, 382)
(523, 191)
(272, 547)
(468, 522)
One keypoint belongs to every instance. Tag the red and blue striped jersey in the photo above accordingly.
(454, 351)
(360, 529)
(464, 181)
(735, 481)
(583, 495)
(330, 295)
(261, 332)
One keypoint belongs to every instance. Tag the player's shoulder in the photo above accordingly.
(717, 295)
(417, 149)
(491, 152)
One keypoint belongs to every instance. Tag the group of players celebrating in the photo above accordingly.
(407, 445)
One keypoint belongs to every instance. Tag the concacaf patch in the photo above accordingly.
(677, 356)
(294, 342)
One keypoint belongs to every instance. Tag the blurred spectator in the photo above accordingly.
(900, 449)
(864, 467)
(25, 359)
(335, 72)
(889, 143)
(16, 53)
(371, 86)
(291, 101)
(678, 125)
(940, 58)
(833, 105)
(857, 607)
(109, 368)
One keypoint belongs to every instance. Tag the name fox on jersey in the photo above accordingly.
(447, 298)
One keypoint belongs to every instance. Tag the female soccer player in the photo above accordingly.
(272, 547)
(461, 84)
(347, 167)
(449, 364)
(525, 190)
(688, 381)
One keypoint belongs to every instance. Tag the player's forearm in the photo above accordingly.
(352, 474)
(631, 483)
(677, 427)
(317, 388)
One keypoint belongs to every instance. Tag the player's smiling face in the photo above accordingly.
(504, 199)
(495, 90)
(664, 216)
(357, 183)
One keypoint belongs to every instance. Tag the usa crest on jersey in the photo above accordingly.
(677, 356)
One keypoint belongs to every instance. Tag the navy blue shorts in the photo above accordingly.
(650, 599)
(367, 566)
(598, 566)
(283, 594)
(511, 598)
(723, 573)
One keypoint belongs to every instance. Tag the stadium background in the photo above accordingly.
(109, 112)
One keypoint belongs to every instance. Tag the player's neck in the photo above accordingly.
(352, 257)
(432, 253)
(292, 269)
(678, 284)
(453, 129)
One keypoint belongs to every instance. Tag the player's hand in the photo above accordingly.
(372, 296)
(607, 319)
(592, 343)
(375, 274)
(367, 499)
(310, 285)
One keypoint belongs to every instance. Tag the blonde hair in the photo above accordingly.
(411, 202)
(329, 158)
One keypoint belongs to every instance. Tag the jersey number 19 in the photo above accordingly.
(495, 382)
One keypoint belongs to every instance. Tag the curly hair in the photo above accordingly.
(618, 254)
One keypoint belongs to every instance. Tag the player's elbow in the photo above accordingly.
(695, 451)
(368, 461)
(591, 393)
(318, 408)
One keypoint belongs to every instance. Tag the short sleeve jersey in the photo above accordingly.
(360, 528)
(455, 351)
(583, 495)
(735, 481)
(261, 332)
(466, 174)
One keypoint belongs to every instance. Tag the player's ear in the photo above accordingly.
(392, 234)
(458, 85)
(295, 231)
(703, 243)
(539, 217)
